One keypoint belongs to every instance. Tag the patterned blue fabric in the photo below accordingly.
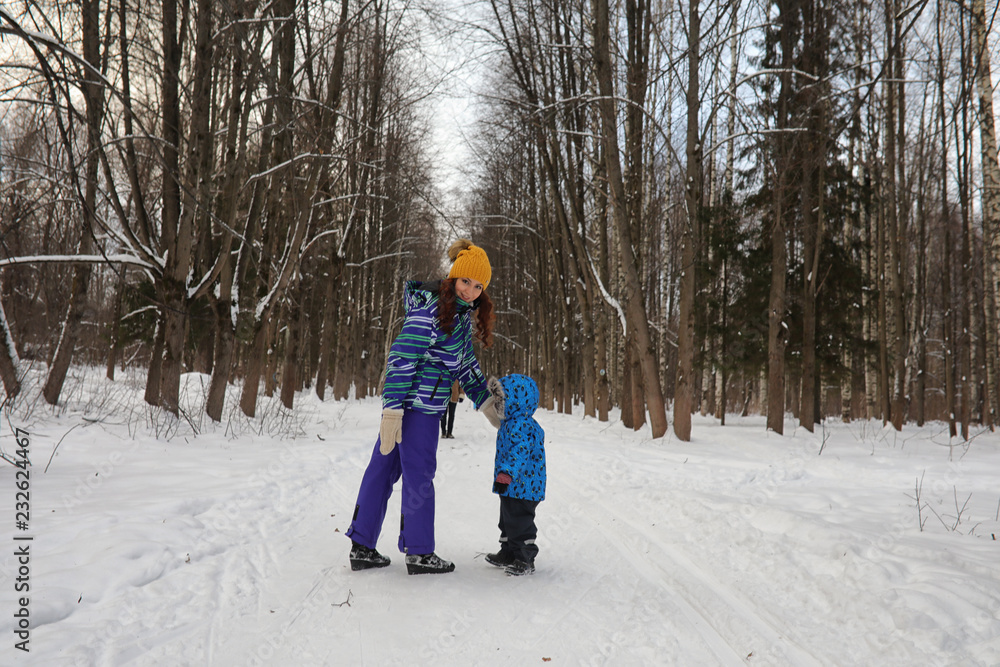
(521, 441)
(424, 361)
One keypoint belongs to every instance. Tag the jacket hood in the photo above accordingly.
(417, 294)
(521, 396)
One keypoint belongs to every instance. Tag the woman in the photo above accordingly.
(433, 349)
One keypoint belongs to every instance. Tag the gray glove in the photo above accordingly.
(493, 407)
(391, 430)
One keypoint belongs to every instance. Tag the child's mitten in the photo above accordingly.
(501, 483)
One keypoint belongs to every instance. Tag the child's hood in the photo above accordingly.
(521, 396)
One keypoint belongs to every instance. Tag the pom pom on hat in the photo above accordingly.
(469, 261)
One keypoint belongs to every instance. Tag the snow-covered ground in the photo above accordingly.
(180, 542)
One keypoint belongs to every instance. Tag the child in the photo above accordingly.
(519, 473)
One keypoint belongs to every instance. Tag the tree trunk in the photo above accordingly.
(920, 323)
(604, 275)
(777, 329)
(947, 320)
(271, 356)
(884, 325)
(225, 328)
(328, 335)
(869, 364)
(813, 159)
(345, 351)
(637, 403)
(991, 199)
(94, 100)
(855, 169)
(810, 257)
(893, 229)
(70, 328)
(224, 344)
(293, 344)
(152, 395)
(177, 237)
(635, 304)
(228, 209)
(329, 119)
(289, 214)
(690, 237)
(627, 389)
(722, 376)
(965, 340)
(684, 383)
(114, 348)
(256, 362)
(10, 365)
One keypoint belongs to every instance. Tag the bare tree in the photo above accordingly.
(991, 196)
(691, 235)
(635, 309)
(777, 327)
(86, 191)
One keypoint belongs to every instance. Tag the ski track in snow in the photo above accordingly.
(727, 623)
(714, 610)
(739, 548)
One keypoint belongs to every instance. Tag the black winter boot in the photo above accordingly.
(502, 558)
(520, 568)
(365, 558)
(427, 564)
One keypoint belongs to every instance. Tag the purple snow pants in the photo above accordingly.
(415, 458)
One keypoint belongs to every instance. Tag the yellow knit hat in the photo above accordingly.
(470, 261)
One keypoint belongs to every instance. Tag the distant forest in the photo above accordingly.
(719, 207)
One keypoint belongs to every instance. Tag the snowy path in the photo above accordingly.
(740, 548)
(718, 614)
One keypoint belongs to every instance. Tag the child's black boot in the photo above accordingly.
(520, 568)
(502, 558)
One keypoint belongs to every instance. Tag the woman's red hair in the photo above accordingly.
(446, 312)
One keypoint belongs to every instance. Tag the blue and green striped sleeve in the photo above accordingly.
(471, 377)
(409, 347)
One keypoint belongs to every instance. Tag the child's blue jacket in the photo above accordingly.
(521, 441)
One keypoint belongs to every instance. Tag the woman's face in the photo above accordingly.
(468, 290)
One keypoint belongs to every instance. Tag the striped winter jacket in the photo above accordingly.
(521, 441)
(424, 361)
